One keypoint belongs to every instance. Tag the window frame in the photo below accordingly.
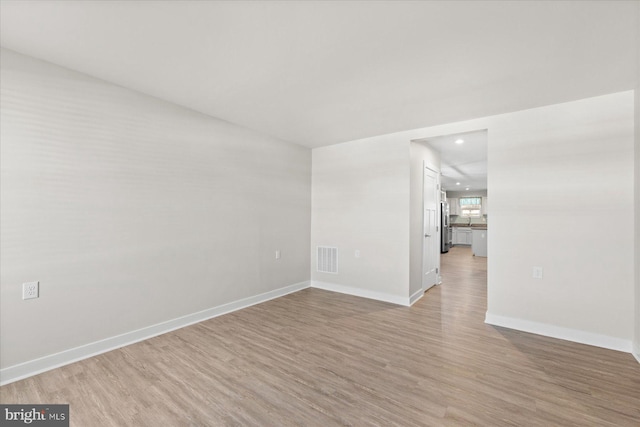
(473, 209)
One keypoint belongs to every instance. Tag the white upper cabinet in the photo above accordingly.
(454, 206)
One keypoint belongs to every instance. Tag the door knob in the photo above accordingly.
(427, 235)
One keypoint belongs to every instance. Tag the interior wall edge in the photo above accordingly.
(636, 337)
(416, 296)
(567, 334)
(66, 357)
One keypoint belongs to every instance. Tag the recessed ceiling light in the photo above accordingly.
(459, 141)
(457, 183)
(467, 188)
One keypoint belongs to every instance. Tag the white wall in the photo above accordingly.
(556, 175)
(420, 153)
(131, 211)
(360, 201)
(636, 344)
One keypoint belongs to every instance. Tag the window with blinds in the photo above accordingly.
(471, 207)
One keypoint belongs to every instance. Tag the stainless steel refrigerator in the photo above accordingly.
(445, 242)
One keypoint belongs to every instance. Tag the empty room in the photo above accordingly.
(318, 213)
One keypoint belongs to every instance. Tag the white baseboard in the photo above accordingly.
(46, 363)
(636, 351)
(567, 334)
(364, 293)
(416, 296)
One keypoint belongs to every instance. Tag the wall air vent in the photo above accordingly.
(327, 260)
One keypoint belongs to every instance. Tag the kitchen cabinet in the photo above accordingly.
(485, 205)
(466, 238)
(462, 236)
(454, 206)
(479, 245)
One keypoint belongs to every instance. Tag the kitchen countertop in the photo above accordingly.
(473, 226)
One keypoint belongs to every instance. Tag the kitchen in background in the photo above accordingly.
(464, 202)
(468, 219)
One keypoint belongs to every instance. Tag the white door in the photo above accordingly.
(431, 246)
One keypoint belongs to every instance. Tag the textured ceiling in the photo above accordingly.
(319, 73)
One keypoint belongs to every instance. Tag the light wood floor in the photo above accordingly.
(318, 358)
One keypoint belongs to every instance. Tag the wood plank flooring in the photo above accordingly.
(318, 358)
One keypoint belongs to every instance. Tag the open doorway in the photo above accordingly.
(464, 195)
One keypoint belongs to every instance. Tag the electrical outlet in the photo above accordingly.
(537, 272)
(30, 290)
(357, 254)
(277, 253)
